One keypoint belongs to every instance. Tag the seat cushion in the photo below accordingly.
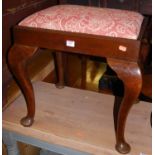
(90, 20)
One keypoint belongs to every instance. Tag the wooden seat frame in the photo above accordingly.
(125, 63)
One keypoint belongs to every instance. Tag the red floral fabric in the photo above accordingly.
(90, 20)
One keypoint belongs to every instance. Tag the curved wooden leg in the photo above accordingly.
(60, 67)
(130, 74)
(116, 109)
(17, 57)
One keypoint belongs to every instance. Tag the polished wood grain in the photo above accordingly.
(100, 45)
(130, 74)
(17, 57)
(38, 69)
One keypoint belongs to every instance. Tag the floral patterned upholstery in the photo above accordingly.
(90, 20)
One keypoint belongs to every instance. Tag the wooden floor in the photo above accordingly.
(95, 70)
(85, 124)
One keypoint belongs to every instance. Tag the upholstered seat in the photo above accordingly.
(116, 35)
(90, 20)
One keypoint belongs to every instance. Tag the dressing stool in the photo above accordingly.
(110, 33)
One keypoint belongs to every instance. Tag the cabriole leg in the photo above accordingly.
(130, 74)
(17, 57)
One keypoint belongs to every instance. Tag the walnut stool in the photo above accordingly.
(110, 33)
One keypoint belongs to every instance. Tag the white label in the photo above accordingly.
(122, 48)
(70, 43)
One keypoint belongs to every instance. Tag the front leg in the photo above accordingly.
(17, 57)
(130, 74)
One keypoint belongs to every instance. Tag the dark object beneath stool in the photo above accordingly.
(113, 83)
(116, 86)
